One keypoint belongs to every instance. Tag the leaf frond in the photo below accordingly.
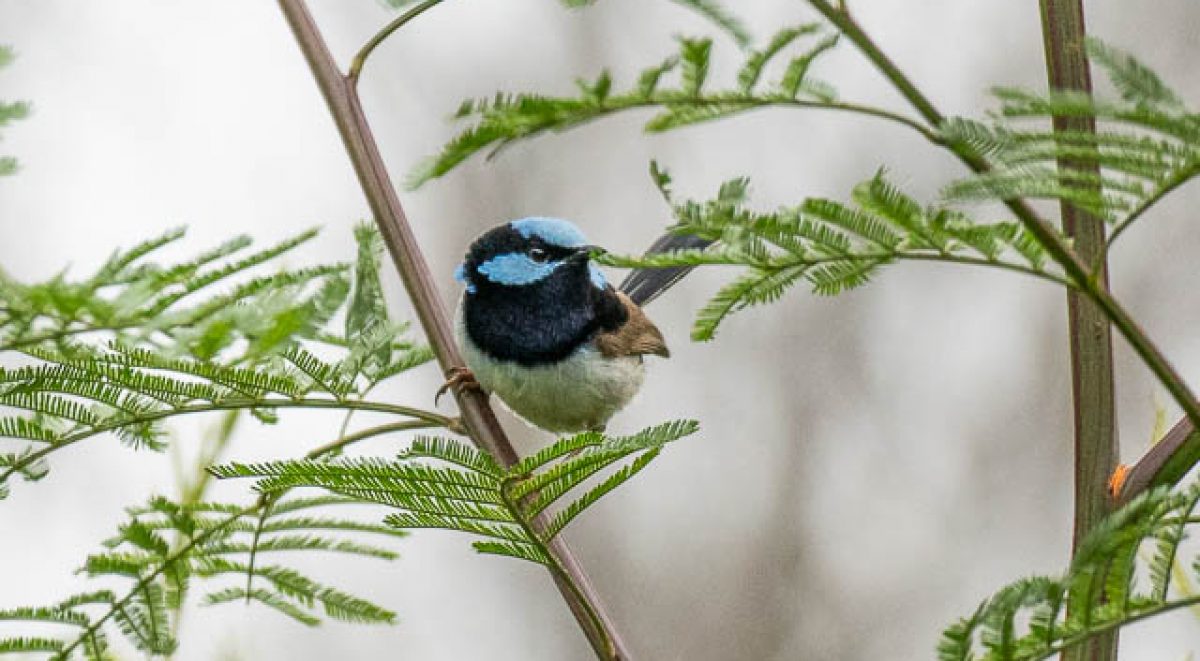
(1147, 144)
(678, 87)
(1038, 617)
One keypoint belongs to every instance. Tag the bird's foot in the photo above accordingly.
(459, 379)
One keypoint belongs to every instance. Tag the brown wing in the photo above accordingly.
(637, 336)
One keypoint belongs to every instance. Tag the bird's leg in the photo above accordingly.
(459, 378)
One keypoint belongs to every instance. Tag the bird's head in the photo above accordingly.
(529, 252)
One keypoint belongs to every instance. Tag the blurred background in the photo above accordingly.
(870, 466)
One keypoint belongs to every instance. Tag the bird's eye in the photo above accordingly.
(538, 254)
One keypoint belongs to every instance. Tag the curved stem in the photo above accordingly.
(61, 334)
(265, 502)
(360, 58)
(1178, 179)
(978, 261)
(350, 439)
(951, 258)
(433, 419)
(845, 23)
(768, 101)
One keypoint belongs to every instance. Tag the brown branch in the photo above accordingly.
(346, 110)
(1096, 449)
(1171, 456)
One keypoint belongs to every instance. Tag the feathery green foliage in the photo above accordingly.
(830, 245)
(10, 111)
(1106, 587)
(506, 118)
(258, 348)
(1147, 145)
(215, 545)
(200, 307)
(251, 348)
(439, 483)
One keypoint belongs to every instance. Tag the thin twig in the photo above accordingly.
(344, 106)
(239, 404)
(618, 104)
(360, 58)
(350, 439)
(1180, 178)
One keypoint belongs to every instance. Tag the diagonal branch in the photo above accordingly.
(344, 106)
(1184, 450)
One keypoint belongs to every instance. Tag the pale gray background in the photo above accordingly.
(870, 466)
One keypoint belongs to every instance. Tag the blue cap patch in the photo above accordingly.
(515, 269)
(555, 231)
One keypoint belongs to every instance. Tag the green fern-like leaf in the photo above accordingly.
(129, 353)
(1038, 617)
(439, 483)
(575, 508)
(684, 100)
(129, 296)
(1146, 146)
(1136, 82)
(216, 545)
(831, 245)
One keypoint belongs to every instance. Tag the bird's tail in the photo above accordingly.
(645, 285)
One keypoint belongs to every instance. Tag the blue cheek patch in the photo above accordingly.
(460, 274)
(555, 231)
(515, 269)
(597, 276)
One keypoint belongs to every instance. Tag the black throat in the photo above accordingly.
(542, 322)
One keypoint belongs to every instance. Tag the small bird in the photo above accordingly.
(541, 327)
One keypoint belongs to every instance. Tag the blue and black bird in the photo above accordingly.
(542, 328)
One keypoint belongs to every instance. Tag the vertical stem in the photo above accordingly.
(1165, 466)
(1063, 31)
(346, 110)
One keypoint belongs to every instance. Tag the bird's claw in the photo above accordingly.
(459, 379)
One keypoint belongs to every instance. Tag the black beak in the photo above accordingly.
(585, 252)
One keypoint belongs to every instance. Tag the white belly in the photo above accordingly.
(577, 393)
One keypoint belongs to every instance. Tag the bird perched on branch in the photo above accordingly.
(542, 328)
